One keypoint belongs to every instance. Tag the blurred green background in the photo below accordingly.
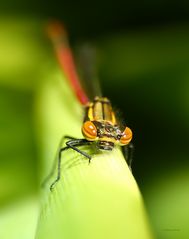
(143, 63)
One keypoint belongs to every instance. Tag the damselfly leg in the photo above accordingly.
(73, 144)
(128, 151)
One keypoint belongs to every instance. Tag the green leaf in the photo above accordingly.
(96, 200)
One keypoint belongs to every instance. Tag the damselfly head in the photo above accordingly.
(106, 134)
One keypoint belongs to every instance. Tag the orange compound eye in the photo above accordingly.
(89, 130)
(126, 138)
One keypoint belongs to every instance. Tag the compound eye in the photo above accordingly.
(89, 130)
(127, 136)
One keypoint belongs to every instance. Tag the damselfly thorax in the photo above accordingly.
(100, 125)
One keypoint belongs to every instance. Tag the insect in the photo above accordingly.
(100, 125)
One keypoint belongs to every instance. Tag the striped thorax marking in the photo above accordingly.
(100, 110)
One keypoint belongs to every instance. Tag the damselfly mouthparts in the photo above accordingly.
(100, 125)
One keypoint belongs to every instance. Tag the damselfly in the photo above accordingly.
(100, 125)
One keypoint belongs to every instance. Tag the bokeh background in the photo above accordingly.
(143, 65)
